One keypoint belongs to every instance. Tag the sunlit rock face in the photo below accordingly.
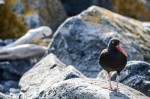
(52, 79)
(44, 74)
(80, 39)
(89, 89)
(136, 75)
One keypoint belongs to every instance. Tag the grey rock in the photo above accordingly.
(1, 72)
(52, 79)
(11, 71)
(147, 27)
(4, 96)
(5, 42)
(80, 88)
(1, 88)
(44, 74)
(2, 43)
(33, 20)
(14, 90)
(18, 67)
(80, 39)
(8, 41)
(10, 76)
(11, 84)
(136, 75)
(5, 85)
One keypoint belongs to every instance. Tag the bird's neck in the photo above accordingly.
(111, 48)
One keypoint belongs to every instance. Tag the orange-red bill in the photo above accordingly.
(121, 49)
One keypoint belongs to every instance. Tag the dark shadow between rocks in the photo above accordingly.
(118, 94)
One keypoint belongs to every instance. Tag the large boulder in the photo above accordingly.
(88, 89)
(52, 79)
(136, 75)
(80, 39)
(44, 74)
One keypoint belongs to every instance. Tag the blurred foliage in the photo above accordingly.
(132, 8)
(10, 25)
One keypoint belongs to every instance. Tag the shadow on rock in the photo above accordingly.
(118, 94)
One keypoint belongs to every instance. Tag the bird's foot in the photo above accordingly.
(109, 88)
(116, 89)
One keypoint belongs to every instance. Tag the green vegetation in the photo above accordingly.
(10, 25)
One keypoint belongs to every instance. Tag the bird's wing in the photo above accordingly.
(104, 51)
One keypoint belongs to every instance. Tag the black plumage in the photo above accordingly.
(114, 58)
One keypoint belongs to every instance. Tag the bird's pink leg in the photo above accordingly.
(109, 82)
(117, 79)
(109, 76)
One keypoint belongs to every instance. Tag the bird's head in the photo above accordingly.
(115, 44)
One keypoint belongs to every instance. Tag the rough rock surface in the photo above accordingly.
(18, 67)
(136, 75)
(52, 79)
(11, 72)
(80, 39)
(3, 96)
(44, 74)
(5, 42)
(88, 89)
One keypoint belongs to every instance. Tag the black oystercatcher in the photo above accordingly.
(114, 58)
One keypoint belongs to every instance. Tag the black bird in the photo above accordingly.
(113, 58)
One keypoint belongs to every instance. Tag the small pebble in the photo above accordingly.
(14, 90)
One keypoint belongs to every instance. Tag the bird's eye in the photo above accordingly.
(112, 42)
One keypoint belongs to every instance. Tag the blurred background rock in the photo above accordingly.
(17, 16)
